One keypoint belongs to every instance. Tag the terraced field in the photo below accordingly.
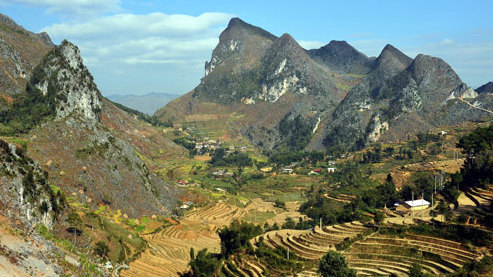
(375, 254)
(243, 267)
(168, 251)
(312, 244)
(379, 254)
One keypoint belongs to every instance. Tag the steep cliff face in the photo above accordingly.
(20, 52)
(63, 75)
(343, 97)
(26, 194)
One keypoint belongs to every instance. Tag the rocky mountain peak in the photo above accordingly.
(20, 52)
(425, 67)
(391, 54)
(286, 40)
(63, 75)
(8, 21)
(341, 56)
(240, 41)
(486, 88)
(239, 28)
(389, 63)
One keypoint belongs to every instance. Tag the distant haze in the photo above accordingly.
(147, 103)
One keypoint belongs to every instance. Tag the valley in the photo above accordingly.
(283, 161)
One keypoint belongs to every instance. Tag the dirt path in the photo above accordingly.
(479, 108)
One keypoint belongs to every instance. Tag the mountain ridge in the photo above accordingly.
(331, 88)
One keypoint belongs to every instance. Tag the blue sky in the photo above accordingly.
(136, 47)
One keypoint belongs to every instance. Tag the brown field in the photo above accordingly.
(168, 251)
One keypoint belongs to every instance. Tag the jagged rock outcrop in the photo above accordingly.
(340, 95)
(83, 157)
(20, 52)
(25, 191)
(63, 75)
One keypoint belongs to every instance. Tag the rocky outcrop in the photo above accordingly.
(85, 156)
(26, 194)
(20, 52)
(63, 75)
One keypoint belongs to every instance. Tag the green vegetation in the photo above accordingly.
(277, 259)
(202, 265)
(30, 109)
(295, 133)
(478, 167)
(220, 158)
(101, 249)
(237, 236)
(416, 270)
(484, 267)
(334, 264)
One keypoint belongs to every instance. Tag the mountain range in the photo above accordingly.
(283, 97)
(147, 103)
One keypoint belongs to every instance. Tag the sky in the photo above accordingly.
(137, 47)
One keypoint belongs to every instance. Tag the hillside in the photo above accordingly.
(335, 95)
(92, 150)
(20, 52)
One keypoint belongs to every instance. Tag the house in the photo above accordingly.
(184, 207)
(313, 173)
(218, 173)
(287, 170)
(331, 169)
(266, 169)
(416, 205)
(317, 170)
(442, 133)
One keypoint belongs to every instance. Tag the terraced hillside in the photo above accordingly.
(381, 254)
(374, 254)
(169, 250)
(313, 244)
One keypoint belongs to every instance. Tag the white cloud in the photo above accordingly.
(79, 8)
(446, 41)
(120, 43)
(311, 44)
(151, 38)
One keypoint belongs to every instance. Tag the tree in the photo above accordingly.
(101, 249)
(334, 264)
(478, 166)
(202, 265)
(237, 235)
(416, 270)
(379, 217)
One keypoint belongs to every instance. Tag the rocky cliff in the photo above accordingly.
(91, 149)
(290, 98)
(26, 194)
(20, 52)
(86, 159)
